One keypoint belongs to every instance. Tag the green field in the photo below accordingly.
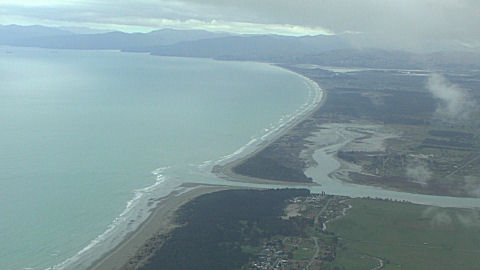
(406, 236)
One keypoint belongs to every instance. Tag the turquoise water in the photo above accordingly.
(85, 136)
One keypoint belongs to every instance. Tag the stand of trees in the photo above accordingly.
(217, 225)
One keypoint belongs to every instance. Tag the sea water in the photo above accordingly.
(87, 136)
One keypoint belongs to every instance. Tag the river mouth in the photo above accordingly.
(91, 139)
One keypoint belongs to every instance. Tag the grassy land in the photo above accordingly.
(406, 236)
(306, 250)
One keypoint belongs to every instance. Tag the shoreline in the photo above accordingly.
(225, 171)
(161, 218)
(160, 222)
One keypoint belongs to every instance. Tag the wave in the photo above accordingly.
(314, 97)
(138, 209)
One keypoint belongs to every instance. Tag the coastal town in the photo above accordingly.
(308, 251)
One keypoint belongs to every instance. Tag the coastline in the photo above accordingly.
(225, 171)
(340, 186)
(160, 218)
(160, 221)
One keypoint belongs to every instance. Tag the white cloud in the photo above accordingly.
(244, 27)
(37, 3)
(419, 173)
(393, 23)
(146, 24)
(454, 102)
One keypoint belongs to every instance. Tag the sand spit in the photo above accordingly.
(161, 221)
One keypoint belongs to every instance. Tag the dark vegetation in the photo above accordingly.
(217, 225)
(449, 152)
(243, 229)
(280, 160)
(385, 106)
(350, 96)
(263, 166)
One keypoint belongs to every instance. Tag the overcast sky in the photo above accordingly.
(400, 22)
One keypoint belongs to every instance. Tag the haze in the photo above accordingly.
(405, 24)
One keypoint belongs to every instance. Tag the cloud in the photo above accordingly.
(471, 185)
(411, 24)
(404, 24)
(229, 26)
(470, 220)
(36, 3)
(149, 16)
(437, 217)
(441, 219)
(419, 173)
(454, 102)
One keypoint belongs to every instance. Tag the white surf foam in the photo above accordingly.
(315, 94)
(135, 212)
(138, 208)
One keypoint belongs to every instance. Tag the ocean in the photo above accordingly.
(89, 138)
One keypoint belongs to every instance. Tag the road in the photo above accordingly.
(315, 239)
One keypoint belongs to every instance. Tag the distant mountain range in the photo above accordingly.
(258, 47)
(332, 50)
(48, 37)
(196, 43)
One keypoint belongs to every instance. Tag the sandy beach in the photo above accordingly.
(159, 222)
(226, 171)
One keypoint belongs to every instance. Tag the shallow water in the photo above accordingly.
(88, 138)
